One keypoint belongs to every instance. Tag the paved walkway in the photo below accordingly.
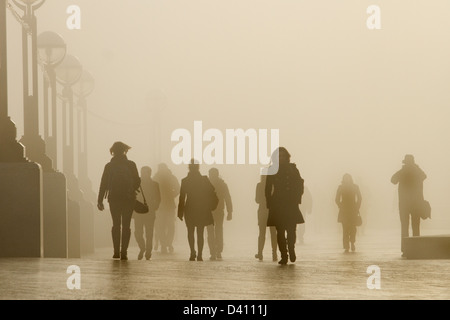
(322, 271)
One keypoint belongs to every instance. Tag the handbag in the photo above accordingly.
(425, 210)
(140, 207)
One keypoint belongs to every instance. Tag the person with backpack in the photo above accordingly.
(119, 184)
(197, 201)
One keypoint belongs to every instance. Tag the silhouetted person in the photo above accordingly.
(215, 231)
(166, 214)
(348, 199)
(306, 207)
(284, 192)
(263, 214)
(410, 195)
(119, 184)
(196, 203)
(146, 221)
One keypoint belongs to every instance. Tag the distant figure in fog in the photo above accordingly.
(119, 184)
(306, 207)
(284, 192)
(348, 199)
(197, 201)
(215, 231)
(146, 221)
(410, 195)
(263, 214)
(165, 216)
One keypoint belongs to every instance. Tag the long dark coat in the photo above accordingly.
(348, 199)
(196, 198)
(284, 192)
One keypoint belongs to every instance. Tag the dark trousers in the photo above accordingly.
(348, 234)
(144, 222)
(121, 212)
(215, 233)
(405, 215)
(286, 237)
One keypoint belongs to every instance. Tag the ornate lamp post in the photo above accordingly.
(34, 144)
(82, 89)
(51, 51)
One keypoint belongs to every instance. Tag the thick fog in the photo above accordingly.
(345, 99)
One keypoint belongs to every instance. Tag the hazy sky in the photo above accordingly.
(345, 98)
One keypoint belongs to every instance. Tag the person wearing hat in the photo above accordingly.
(197, 201)
(410, 195)
(119, 184)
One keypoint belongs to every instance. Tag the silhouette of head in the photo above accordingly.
(347, 179)
(119, 148)
(409, 159)
(213, 173)
(281, 156)
(146, 171)
(194, 166)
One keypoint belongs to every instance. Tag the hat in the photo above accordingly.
(409, 159)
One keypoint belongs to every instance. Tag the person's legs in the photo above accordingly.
(200, 242)
(157, 230)
(404, 221)
(139, 234)
(415, 223)
(149, 226)
(261, 241)
(191, 240)
(211, 241)
(218, 227)
(170, 233)
(115, 230)
(281, 239)
(345, 236)
(352, 236)
(273, 240)
(291, 239)
(127, 213)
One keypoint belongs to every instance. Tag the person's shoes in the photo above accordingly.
(274, 257)
(353, 247)
(346, 251)
(292, 257)
(212, 258)
(123, 256)
(199, 258)
(192, 257)
(141, 255)
(116, 255)
(283, 260)
(148, 255)
(219, 256)
(259, 256)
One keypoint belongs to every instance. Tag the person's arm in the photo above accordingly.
(103, 188)
(136, 178)
(337, 199)
(358, 197)
(228, 202)
(181, 201)
(268, 191)
(396, 177)
(175, 186)
(156, 201)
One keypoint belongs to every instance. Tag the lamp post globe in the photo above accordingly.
(51, 48)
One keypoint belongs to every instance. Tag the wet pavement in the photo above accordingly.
(322, 272)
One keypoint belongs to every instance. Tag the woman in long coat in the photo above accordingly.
(348, 199)
(197, 201)
(284, 191)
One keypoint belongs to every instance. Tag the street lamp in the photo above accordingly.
(51, 51)
(82, 89)
(34, 144)
(68, 72)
